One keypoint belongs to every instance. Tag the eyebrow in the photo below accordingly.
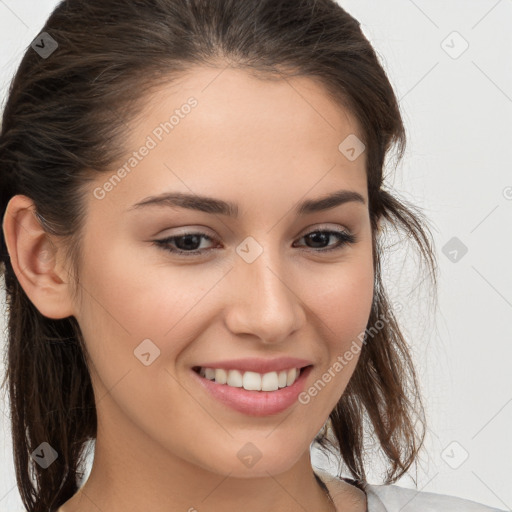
(218, 206)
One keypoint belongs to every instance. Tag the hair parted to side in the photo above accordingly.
(65, 120)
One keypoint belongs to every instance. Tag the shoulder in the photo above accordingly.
(393, 498)
(342, 493)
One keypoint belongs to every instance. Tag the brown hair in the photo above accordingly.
(64, 120)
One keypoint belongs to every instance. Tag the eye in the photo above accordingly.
(320, 236)
(184, 243)
(189, 244)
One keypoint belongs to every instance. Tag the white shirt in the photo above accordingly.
(392, 498)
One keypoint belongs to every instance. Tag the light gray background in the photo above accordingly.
(458, 111)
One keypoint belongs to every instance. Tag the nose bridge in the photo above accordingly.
(264, 303)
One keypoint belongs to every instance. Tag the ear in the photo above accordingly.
(34, 258)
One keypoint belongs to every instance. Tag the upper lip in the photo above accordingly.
(258, 365)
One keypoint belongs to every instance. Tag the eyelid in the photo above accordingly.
(325, 227)
(192, 230)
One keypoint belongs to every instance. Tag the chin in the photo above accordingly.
(254, 459)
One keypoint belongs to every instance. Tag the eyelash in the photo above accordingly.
(344, 237)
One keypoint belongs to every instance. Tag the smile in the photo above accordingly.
(251, 381)
(252, 402)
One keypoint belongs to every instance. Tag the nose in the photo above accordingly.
(265, 301)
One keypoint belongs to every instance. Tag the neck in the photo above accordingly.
(123, 480)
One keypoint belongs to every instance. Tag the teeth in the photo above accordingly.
(234, 379)
(209, 373)
(221, 376)
(283, 377)
(269, 382)
(252, 381)
(291, 376)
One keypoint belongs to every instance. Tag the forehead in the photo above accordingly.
(240, 101)
(224, 130)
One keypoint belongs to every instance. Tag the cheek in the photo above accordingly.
(343, 299)
(137, 293)
(130, 299)
(342, 307)
(350, 305)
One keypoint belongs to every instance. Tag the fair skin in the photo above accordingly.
(163, 443)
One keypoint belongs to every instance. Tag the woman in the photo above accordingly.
(192, 199)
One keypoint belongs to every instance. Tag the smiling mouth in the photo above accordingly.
(252, 381)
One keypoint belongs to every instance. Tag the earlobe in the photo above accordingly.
(33, 256)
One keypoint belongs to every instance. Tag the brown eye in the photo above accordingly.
(187, 243)
(322, 237)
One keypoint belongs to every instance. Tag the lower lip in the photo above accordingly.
(255, 403)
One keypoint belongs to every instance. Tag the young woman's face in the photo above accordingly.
(263, 285)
